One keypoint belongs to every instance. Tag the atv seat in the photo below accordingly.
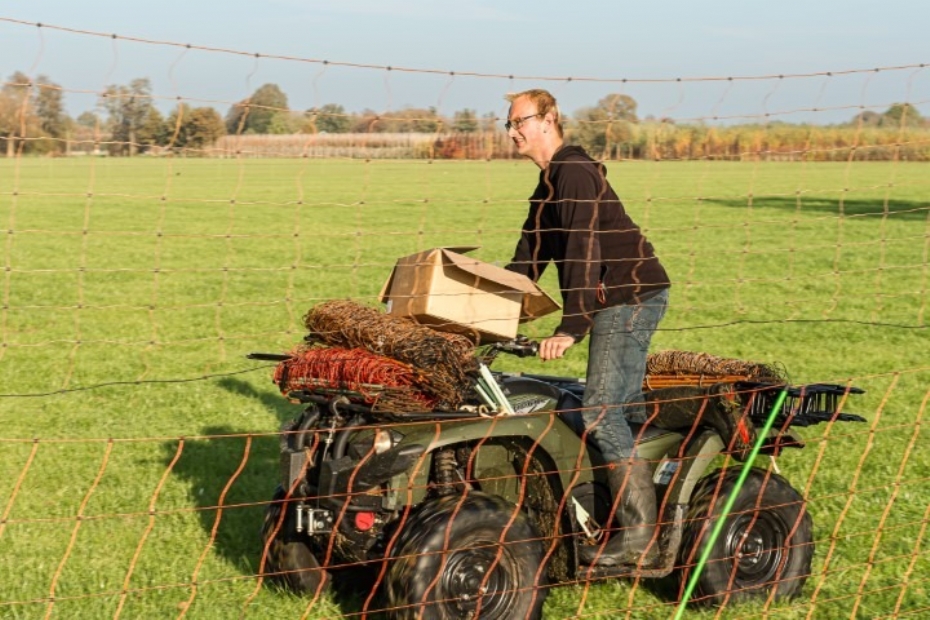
(570, 412)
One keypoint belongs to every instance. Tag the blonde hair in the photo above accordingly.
(545, 103)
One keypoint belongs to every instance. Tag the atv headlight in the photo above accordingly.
(378, 440)
(384, 440)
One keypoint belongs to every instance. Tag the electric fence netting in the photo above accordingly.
(150, 468)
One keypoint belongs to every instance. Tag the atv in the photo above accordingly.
(476, 512)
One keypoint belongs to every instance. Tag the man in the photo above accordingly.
(613, 288)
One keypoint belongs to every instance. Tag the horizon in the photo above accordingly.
(357, 60)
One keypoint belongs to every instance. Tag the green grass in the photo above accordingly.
(135, 271)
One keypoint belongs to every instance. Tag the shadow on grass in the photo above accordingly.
(899, 209)
(667, 589)
(273, 401)
(232, 475)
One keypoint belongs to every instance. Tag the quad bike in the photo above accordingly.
(475, 512)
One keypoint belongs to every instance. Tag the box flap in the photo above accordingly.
(509, 279)
(458, 250)
(413, 259)
(386, 288)
(537, 304)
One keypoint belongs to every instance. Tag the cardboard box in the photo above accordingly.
(452, 292)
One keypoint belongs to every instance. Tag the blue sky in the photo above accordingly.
(636, 40)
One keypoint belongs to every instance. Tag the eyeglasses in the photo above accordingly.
(517, 123)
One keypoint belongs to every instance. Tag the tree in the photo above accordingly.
(285, 122)
(87, 119)
(49, 107)
(17, 117)
(257, 113)
(489, 121)
(194, 128)
(425, 121)
(128, 108)
(410, 120)
(465, 121)
(205, 127)
(368, 121)
(901, 115)
(604, 128)
(867, 118)
(153, 131)
(330, 118)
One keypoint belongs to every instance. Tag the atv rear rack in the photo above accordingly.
(804, 405)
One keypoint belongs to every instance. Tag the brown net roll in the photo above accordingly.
(443, 360)
(673, 368)
(387, 385)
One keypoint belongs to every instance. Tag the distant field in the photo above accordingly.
(149, 274)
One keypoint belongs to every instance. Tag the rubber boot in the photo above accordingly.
(636, 543)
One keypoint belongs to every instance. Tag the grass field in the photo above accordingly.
(132, 289)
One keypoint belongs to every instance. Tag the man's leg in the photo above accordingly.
(619, 344)
(613, 395)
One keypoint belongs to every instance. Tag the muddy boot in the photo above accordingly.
(636, 543)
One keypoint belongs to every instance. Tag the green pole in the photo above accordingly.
(728, 506)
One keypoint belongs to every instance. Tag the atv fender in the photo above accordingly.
(550, 437)
(690, 468)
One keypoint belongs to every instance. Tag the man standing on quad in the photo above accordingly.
(614, 289)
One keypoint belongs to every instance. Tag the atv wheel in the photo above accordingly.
(470, 557)
(289, 561)
(765, 547)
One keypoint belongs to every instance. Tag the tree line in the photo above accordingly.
(127, 122)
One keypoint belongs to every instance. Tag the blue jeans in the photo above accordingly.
(619, 342)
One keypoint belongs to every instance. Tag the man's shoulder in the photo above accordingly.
(573, 164)
(572, 153)
(571, 158)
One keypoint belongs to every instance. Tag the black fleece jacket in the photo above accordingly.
(577, 221)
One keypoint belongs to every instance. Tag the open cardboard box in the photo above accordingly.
(452, 292)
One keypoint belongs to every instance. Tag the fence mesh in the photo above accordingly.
(142, 261)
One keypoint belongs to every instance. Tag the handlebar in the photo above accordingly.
(521, 346)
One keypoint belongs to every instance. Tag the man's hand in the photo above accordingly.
(554, 347)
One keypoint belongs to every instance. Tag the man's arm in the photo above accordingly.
(529, 257)
(580, 190)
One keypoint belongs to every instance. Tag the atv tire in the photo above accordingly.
(289, 562)
(766, 544)
(467, 557)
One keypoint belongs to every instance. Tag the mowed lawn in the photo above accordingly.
(131, 291)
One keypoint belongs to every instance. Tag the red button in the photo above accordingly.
(364, 520)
